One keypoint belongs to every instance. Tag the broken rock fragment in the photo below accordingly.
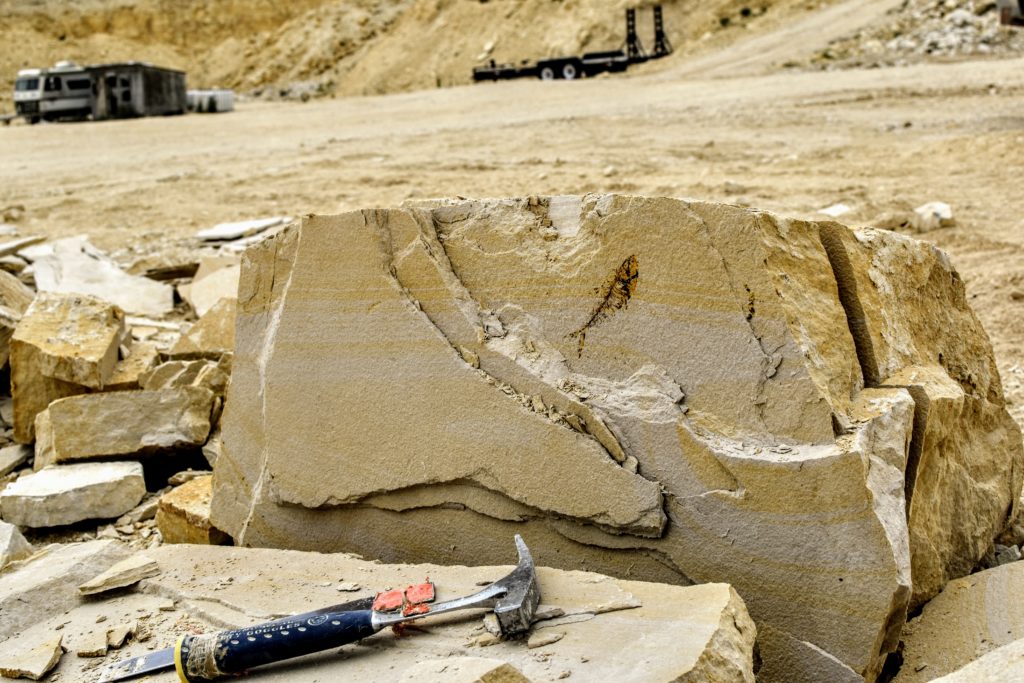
(212, 336)
(464, 670)
(216, 279)
(12, 457)
(67, 494)
(45, 585)
(678, 391)
(13, 545)
(142, 357)
(65, 344)
(184, 514)
(121, 575)
(30, 656)
(122, 424)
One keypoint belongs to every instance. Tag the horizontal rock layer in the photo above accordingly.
(676, 391)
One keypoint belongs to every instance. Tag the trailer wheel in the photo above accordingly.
(547, 74)
(569, 71)
(33, 120)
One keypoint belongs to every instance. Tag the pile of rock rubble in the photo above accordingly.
(921, 28)
(116, 387)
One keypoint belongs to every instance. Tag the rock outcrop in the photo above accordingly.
(667, 390)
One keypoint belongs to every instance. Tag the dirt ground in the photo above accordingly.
(728, 126)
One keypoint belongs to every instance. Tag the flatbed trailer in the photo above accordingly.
(588, 64)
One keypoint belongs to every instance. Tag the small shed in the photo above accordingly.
(136, 89)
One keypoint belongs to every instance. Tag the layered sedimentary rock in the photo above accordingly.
(184, 515)
(653, 388)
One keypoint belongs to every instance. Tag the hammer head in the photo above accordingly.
(516, 607)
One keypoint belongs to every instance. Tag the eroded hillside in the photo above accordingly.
(315, 47)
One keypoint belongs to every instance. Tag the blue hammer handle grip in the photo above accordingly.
(211, 656)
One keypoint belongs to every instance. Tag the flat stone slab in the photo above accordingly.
(223, 232)
(970, 617)
(30, 657)
(121, 575)
(614, 630)
(77, 266)
(67, 494)
(46, 585)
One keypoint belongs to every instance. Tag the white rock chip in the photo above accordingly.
(932, 216)
(232, 231)
(67, 494)
(12, 457)
(76, 266)
(13, 545)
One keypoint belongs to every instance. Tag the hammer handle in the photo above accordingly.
(211, 656)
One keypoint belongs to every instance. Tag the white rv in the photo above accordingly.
(62, 92)
(100, 91)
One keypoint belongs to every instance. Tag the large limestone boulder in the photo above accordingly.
(667, 390)
(15, 297)
(65, 344)
(597, 628)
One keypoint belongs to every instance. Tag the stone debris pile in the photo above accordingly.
(117, 381)
(917, 29)
(672, 391)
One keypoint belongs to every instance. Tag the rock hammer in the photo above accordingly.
(210, 656)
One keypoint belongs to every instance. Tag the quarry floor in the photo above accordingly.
(728, 127)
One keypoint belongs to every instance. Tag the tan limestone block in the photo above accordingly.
(142, 357)
(211, 336)
(184, 514)
(122, 424)
(65, 344)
